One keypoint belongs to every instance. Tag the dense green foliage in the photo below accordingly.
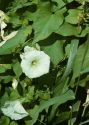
(61, 29)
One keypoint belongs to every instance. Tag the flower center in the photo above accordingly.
(34, 62)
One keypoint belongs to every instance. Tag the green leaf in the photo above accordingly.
(73, 16)
(60, 3)
(73, 51)
(19, 4)
(76, 106)
(85, 67)
(81, 62)
(6, 79)
(13, 123)
(4, 67)
(68, 30)
(72, 121)
(11, 45)
(55, 51)
(69, 95)
(69, 1)
(31, 113)
(45, 22)
(14, 95)
(74, 109)
(30, 95)
(17, 69)
(62, 117)
(14, 19)
(4, 120)
(85, 31)
(62, 86)
(83, 82)
(3, 99)
(72, 55)
(78, 61)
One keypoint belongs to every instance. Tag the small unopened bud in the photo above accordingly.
(14, 83)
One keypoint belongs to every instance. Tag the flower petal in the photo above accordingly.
(37, 69)
(14, 110)
(11, 35)
(8, 37)
(28, 49)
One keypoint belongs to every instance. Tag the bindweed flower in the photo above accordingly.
(3, 25)
(2, 15)
(11, 35)
(14, 83)
(34, 63)
(14, 110)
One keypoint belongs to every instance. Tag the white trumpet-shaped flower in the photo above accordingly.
(34, 63)
(14, 110)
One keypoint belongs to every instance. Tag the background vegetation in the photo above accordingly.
(61, 28)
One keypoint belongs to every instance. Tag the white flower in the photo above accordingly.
(2, 15)
(14, 83)
(34, 63)
(14, 110)
(11, 35)
(2, 23)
